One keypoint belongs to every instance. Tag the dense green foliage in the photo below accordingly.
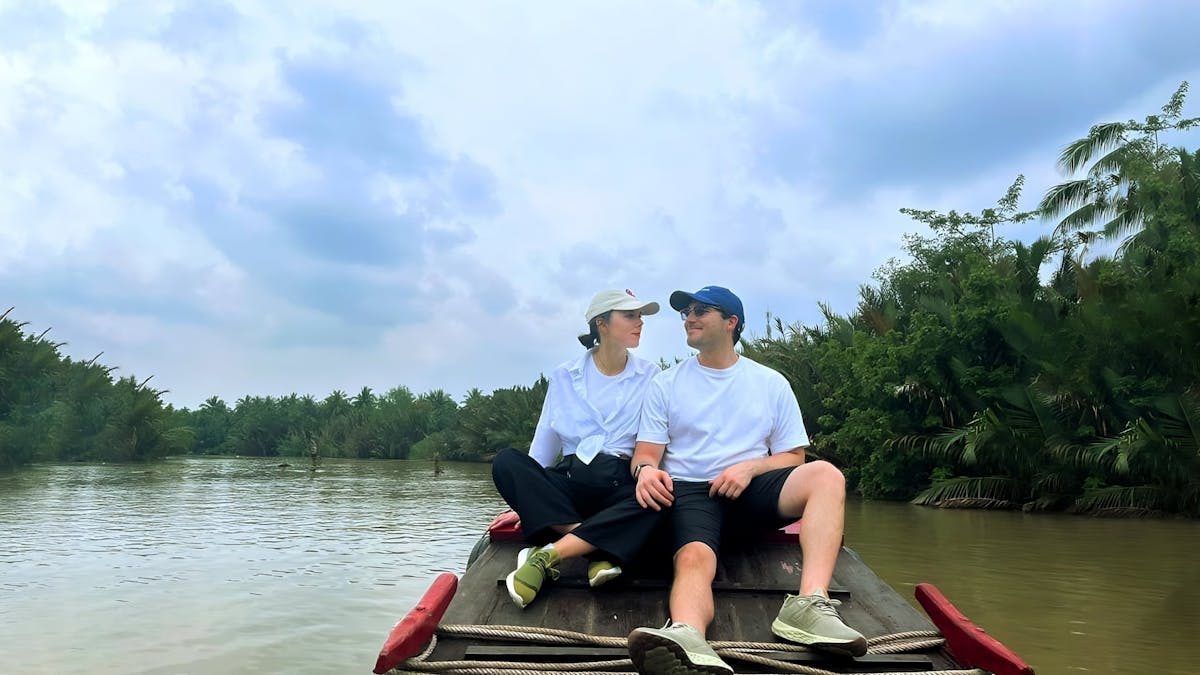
(53, 408)
(978, 371)
(397, 425)
(989, 372)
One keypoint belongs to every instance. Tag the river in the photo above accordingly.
(207, 566)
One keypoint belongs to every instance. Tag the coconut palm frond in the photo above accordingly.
(1119, 500)
(1111, 164)
(1068, 196)
(946, 445)
(1101, 138)
(1041, 250)
(1126, 222)
(1074, 454)
(1107, 454)
(969, 492)
(1178, 418)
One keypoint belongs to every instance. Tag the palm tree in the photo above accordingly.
(336, 404)
(1120, 158)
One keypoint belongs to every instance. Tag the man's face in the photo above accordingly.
(705, 326)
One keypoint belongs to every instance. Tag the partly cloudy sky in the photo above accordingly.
(252, 198)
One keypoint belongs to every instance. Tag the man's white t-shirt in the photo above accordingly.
(711, 419)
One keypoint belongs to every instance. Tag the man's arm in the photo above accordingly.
(734, 480)
(654, 487)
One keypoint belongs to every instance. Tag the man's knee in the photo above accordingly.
(818, 479)
(696, 557)
(826, 476)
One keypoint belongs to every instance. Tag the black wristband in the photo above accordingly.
(638, 469)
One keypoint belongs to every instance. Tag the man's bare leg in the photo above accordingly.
(816, 491)
(691, 599)
(681, 647)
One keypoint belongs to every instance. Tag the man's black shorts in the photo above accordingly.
(697, 517)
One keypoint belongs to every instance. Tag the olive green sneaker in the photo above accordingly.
(601, 572)
(534, 565)
(813, 620)
(674, 649)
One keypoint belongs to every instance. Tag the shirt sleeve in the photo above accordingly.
(546, 444)
(788, 431)
(653, 426)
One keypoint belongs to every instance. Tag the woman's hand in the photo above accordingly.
(654, 488)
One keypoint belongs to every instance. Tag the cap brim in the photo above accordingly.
(647, 308)
(681, 299)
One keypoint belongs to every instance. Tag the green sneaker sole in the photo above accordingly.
(655, 655)
(510, 581)
(604, 577)
(855, 647)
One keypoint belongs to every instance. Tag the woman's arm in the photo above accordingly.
(546, 445)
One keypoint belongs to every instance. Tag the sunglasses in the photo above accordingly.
(697, 310)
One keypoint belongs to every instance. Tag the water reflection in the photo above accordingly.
(233, 565)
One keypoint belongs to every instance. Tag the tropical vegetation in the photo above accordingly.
(978, 370)
(984, 371)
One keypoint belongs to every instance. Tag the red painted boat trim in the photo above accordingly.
(969, 644)
(506, 527)
(789, 534)
(410, 634)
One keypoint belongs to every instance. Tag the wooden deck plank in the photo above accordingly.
(744, 609)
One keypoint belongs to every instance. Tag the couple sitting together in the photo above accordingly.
(715, 439)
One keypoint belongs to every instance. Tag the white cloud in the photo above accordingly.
(257, 199)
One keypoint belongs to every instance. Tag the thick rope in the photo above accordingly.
(529, 634)
(740, 650)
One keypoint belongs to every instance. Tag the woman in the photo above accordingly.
(585, 503)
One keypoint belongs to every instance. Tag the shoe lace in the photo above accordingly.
(826, 605)
(542, 562)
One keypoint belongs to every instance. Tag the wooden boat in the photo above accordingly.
(479, 630)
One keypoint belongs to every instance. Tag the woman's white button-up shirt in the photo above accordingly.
(572, 422)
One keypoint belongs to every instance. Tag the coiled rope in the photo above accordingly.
(894, 643)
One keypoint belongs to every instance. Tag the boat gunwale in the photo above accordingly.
(967, 644)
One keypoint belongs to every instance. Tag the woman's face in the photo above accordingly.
(624, 327)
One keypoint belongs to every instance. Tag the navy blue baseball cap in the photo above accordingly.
(717, 296)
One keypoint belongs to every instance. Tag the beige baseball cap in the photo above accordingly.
(609, 300)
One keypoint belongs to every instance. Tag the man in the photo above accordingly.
(721, 438)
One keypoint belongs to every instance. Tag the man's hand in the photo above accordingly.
(732, 481)
(654, 488)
